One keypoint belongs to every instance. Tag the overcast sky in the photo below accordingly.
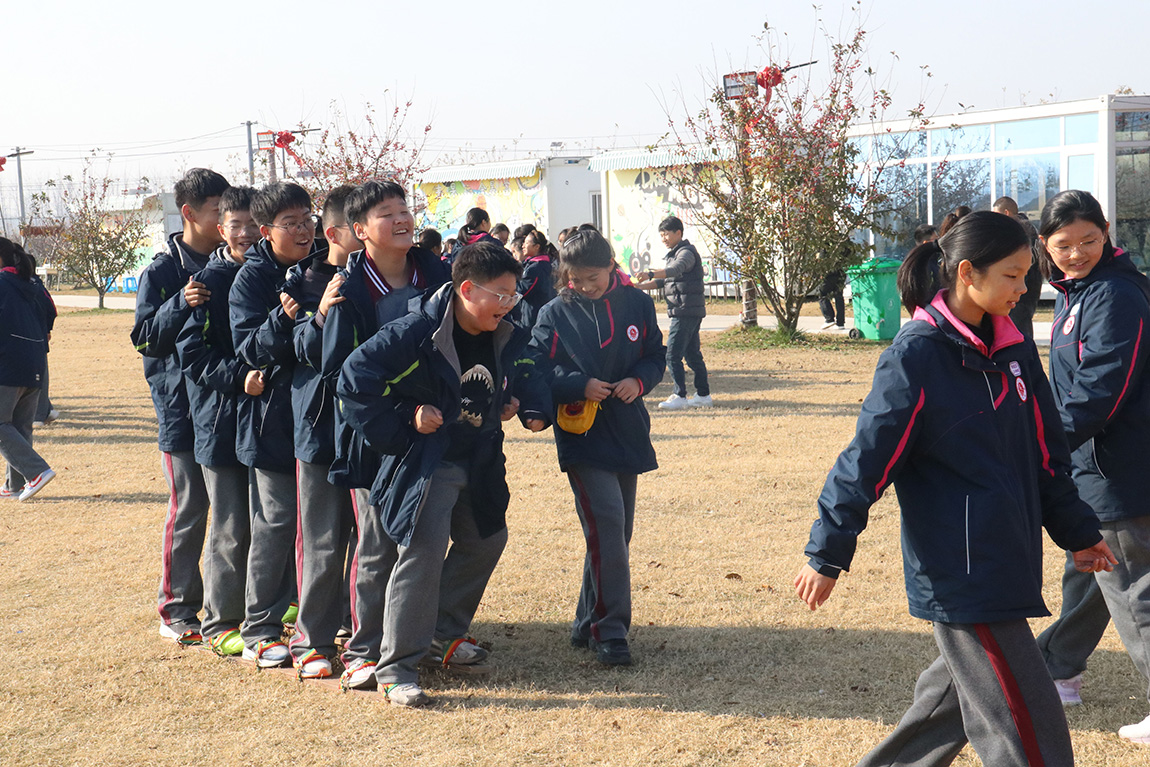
(166, 85)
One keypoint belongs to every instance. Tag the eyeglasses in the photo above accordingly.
(506, 300)
(307, 225)
(1083, 248)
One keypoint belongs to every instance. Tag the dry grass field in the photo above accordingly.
(730, 668)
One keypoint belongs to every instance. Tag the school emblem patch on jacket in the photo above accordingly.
(633, 332)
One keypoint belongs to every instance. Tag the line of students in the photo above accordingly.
(340, 410)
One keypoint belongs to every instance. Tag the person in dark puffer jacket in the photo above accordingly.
(23, 357)
(1098, 354)
(962, 421)
(682, 283)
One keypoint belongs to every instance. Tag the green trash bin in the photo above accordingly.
(874, 296)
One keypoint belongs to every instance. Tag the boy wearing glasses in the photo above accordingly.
(326, 519)
(215, 379)
(262, 335)
(379, 282)
(429, 392)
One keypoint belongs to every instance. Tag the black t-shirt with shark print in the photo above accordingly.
(477, 390)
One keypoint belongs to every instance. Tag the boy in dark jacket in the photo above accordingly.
(428, 392)
(326, 519)
(262, 334)
(215, 379)
(164, 301)
(682, 281)
(376, 287)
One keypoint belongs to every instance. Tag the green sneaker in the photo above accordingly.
(227, 643)
(291, 614)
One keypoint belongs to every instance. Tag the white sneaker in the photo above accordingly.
(37, 484)
(1136, 733)
(268, 654)
(828, 325)
(359, 675)
(674, 402)
(700, 400)
(407, 695)
(464, 652)
(1069, 690)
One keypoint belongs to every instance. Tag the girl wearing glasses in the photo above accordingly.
(601, 345)
(1098, 350)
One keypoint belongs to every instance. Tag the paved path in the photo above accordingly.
(712, 322)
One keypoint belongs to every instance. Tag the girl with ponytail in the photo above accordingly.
(962, 422)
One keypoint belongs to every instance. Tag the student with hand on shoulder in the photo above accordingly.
(377, 286)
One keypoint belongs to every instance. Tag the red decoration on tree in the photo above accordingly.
(768, 79)
(2, 161)
(283, 140)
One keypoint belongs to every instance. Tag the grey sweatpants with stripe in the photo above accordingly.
(1068, 642)
(990, 687)
(17, 411)
(230, 490)
(270, 580)
(1127, 587)
(430, 597)
(605, 502)
(324, 527)
(185, 525)
(371, 567)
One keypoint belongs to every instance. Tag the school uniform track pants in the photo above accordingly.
(270, 581)
(605, 502)
(990, 687)
(430, 597)
(17, 411)
(371, 567)
(226, 553)
(1127, 587)
(1068, 642)
(185, 525)
(324, 525)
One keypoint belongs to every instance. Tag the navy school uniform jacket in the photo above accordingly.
(410, 362)
(262, 334)
(161, 313)
(23, 336)
(313, 397)
(537, 286)
(972, 441)
(1098, 352)
(613, 337)
(215, 376)
(348, 325)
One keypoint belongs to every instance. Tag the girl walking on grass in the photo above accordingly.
(601, 345)
(962, 421)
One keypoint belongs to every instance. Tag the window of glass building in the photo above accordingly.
(1132, 126)
(960, 182)
(906, 189)
(1132, 189)
(1082, 129)
(972, 139)
(1080, 172)
(1027, 134)
(1030, 179)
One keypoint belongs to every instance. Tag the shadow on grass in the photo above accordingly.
(49, 496)
(819, 673)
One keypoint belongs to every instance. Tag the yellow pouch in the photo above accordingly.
(577, 417)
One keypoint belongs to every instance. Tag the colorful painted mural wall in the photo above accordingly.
(639, 200)
(512, 201)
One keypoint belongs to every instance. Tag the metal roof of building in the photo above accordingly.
(482, 172)
(643, 157)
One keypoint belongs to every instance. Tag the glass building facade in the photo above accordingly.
(1029, 153)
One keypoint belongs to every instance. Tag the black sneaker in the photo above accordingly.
(612, 652)
(580, 642)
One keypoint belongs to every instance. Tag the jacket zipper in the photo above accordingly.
(267, 407)
(988, 389)
(1094, 454)
(968, 535)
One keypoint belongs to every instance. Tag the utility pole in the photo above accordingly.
(19, 152)
(251, 156)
